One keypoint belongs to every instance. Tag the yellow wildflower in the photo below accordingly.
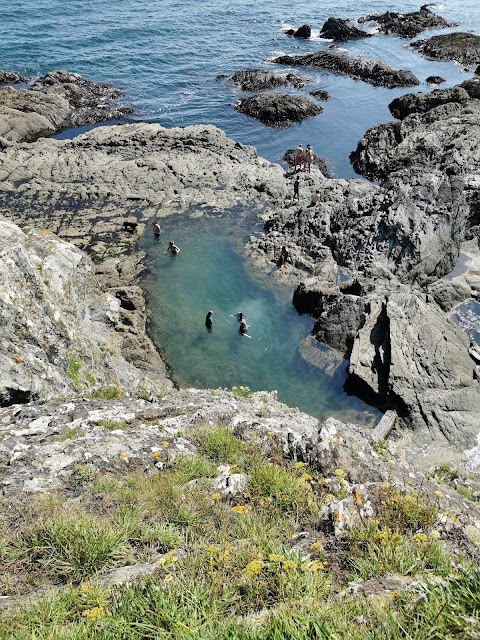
(328, 498)
(216, 496)
(168, 578)
(299, 465)
(315, 565)
(276, 557)
(240, 508)
(340, 473)
(357, 498)
(123, 456)
(420, 537)
(435, 535)
(288, 565)
(94, 614)
(168, 558)
(254, 567)
(439, 494)
(157, 455)
(165, 443)
(85, 588)
(316, 546)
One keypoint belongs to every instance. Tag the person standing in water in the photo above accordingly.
(209, 320)
(156, 229)
(238, 315)
(172, 247)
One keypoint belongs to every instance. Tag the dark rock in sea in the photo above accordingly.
(435, 80)
(258, 80)
(320, 163)
(472, 87)
(278, 109)
(320, 94)
(407, 25)
(305, 31)
(422, 102)
(372, 71)
(461, 47)
(340, 30)
(8, 77)
(57, 101)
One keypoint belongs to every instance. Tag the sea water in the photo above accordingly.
(166, 55)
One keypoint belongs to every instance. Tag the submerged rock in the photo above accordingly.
(278, 109)
(59, 100)
(258, 80)
(340, 30)
(320, 94)
(461, 47)
(374, 72)
(407, 25)
(435, 80)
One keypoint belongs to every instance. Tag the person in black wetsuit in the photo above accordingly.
(209, 320)
(243, 329)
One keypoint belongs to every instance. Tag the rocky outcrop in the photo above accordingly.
(422, 102)
(258, 80)
(305, 31)
(278, 109)
(320, 94)
(435, 80)
(320, 163)
(61, 332)
(372, 71)
(8, 77)
(59, 100)
(461, 47)
(340, 30)
(407, 25)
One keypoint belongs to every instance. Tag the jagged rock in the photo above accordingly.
(340, 30)
(304, 31)
(320, 94)
(422, 102)
(258, 80)
(461, 47)
(278, 109)
(472, 87)
(8, 77)
(435, 80)
(59, 100)
(448, 294)
(58, 326)
(372, 71)
(407, 25)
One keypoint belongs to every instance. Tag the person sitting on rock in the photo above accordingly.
(172, 247)
(315, 198)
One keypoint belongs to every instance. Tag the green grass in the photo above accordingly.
(112, 425)
(241, 568)
(74, 365)
(105, 393)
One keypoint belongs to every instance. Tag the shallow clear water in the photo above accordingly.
(165, 55)
(209, 274)
(467, 316)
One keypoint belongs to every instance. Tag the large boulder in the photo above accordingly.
(407, 25)
(423, 102)
(340, 30)
(278, 109)
(305, 31)
(460, 46)
(374, 72)
(9, 77)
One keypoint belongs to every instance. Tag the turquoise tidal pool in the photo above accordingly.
(210, 273)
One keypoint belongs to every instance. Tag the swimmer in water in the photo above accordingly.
(172, 247)
(209, 320)
(244, 328)
(238, 315)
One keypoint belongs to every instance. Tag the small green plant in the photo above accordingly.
(106, 393)
(112, 425)
(69, 434)
(241, 392)
(82, 474)
(220, 445)
(74, 365)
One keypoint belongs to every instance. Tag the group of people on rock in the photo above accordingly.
(243, 326)
(303, 158)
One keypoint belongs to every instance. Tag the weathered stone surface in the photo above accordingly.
(59, 100)
(9, 77)
(278, 109)
(168, 167)
(305, 31)
(407, 25)
(59, 328)
(372, 71)
(459, 46)
(258, 80)
(340, 30)
(422, 102)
